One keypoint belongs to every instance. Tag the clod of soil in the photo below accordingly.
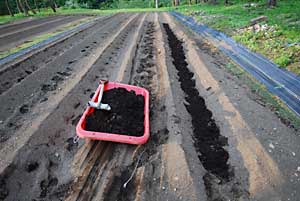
(24, 109)
(32, 167)
(126, 116)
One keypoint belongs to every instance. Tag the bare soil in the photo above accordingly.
(210, 139)
(16, 34)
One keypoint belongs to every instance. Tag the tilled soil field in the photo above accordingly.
(210, 139)
(12, 35)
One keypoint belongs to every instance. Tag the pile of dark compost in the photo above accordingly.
(126, 116)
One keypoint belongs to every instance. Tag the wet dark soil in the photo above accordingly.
(126, 116)
(207, 138)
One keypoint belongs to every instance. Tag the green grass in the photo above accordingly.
(283, 23)
(269, 100)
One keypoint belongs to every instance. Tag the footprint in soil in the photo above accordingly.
(10, 124)
(33, 68)
(20, 79)
(70, 62)
(76, 105)
(86, 90)
(6, 84)
(95, 78)
(176, 119)
(46, 186)
(68, 70)
(44, 100)
(28, 72)
(83, 50)
(70, 145)
(52, 164)
(24, 109)
(57, 78)
(63, 73)
(48, 87)
(32, 166)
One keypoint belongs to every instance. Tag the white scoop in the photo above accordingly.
(99, 105)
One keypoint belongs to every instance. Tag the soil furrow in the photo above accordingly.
(44, 109)
(13, 27)
(13, 39)
(19, 30)
(118, 161)
(50, 76)
(148, 180)
(57, 144)
(16, 73)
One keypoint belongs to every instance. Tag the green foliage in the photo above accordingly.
(3, 9)
(283, 60)
(71, 4)
(280, 42)
(134, 4)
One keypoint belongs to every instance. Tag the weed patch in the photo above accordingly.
(279, 36)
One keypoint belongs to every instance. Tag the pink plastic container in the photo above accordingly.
(82, 133)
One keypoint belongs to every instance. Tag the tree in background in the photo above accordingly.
(36, 5)
(176, 2)
(19, 7)
(23, 8)
(8, 8)
(53, 5)
(29, 7)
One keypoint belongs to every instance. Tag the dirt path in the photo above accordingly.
(209, 139)
(14, 35)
